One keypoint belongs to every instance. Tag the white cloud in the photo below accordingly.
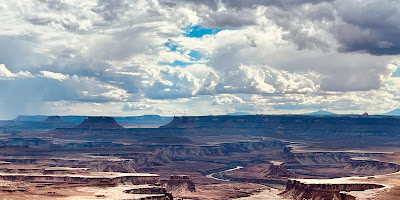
(226, 99)
(5, 73)
(172, 83)
(260, 80)
(53, 75)
(290, 56)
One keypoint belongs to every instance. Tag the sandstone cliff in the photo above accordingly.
(178, 184)
(324, 191)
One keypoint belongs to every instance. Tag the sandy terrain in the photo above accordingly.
(270, 194)
(224, 191)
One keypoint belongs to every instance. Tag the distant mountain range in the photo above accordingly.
(238, 113)
(320, 112)
(395, 112)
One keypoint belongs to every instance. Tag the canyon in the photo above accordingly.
(201, 157)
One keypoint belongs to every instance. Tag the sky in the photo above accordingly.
(191, 57)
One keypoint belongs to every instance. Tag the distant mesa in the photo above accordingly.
(54, 120)
(320, 112)
(31, 118)
(99, 123)
(365, 115)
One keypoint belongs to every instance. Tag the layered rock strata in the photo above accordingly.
(298, 190)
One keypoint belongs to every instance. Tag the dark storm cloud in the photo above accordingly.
(232, 19)
(239, 13)
(370, 26)
(53, 4)
(212, 4)
(240, 4)
(111, 10)
(347, 81)
(298, 24)
(357, 26)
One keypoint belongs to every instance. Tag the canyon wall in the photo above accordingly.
(135, 179)
(299, 190)
(297, 124)
(178, 184)
(215, 150)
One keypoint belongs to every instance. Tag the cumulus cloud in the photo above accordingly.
(259, 56)
(259, 80)
(173, 83)
(333, 71)
(226, 99)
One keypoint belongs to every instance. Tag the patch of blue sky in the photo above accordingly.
(176, 63)
(199, 31)
(195, 55)
(396, 73)
(174, 46)
(396, 63)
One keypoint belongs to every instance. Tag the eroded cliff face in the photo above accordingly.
(43, 183)
(323, 158)
(129, 163)
(337, 164)
(324, 191)
(178, 184)
(187, 150)
(370, 167)
(215, 150)
(164, 195)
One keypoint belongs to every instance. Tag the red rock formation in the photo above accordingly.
(298, 190)
(146, 189)
(99, 123)
(179, 184)
(135, 179)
